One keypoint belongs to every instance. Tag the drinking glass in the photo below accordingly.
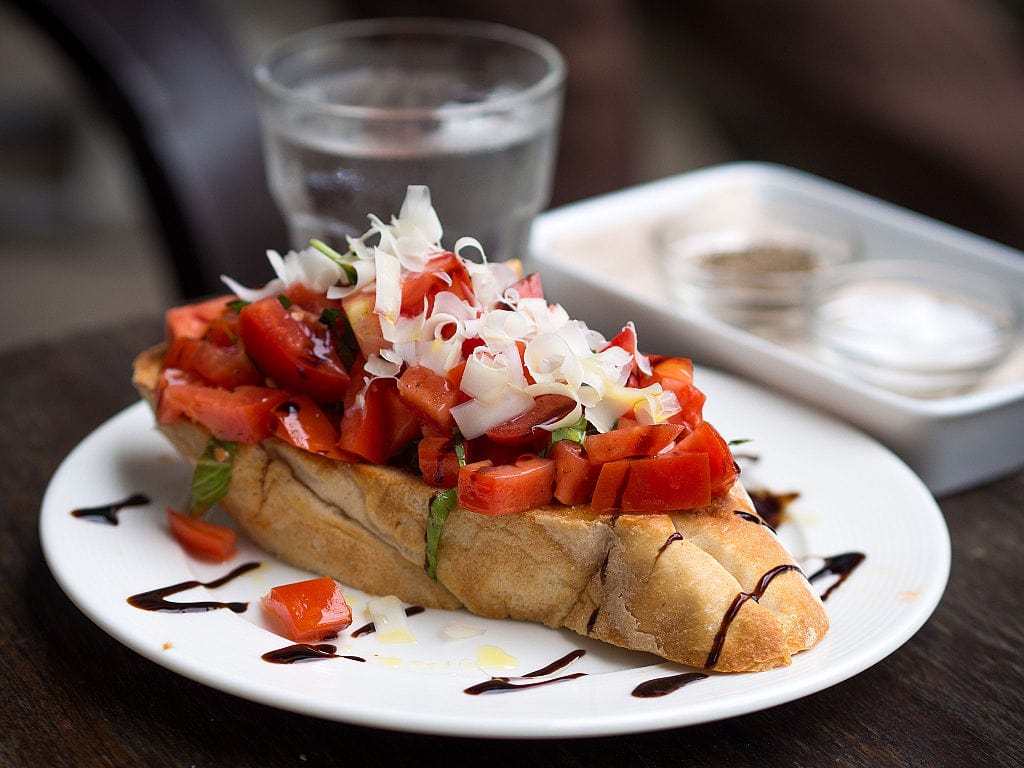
(353, 113)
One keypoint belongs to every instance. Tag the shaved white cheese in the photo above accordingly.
(657, 407)
(366, 273)
(272, 288)
(381, 367)
(469, 242)
(489, 375)
(388, 616)
(475, 417)
(549, 358)
(388, 303)
(522, 347)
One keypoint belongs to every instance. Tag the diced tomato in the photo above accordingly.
(575, 475)
(631, 440)
(439, 464)
(294, 349)
(723, 470)
(691, 402)
(429, 395)
(529, 287)
(454, 375)
(527, 427)
(301, 422)
(241, 415)
(221, 366)
(508, 488)
(676, 367)
(381, 425)
(611, 482)
(192, 320)
(626, 339)
(419, 289)
(202, 539)
(223, 330)
(667, 482)
(403, 423)
(314, 302)
(484, 449)
(307, 611)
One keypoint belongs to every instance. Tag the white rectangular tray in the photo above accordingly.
(597, 259)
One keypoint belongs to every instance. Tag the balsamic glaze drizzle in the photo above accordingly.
(839, 565)
(753, 519)
(301, 652)
(662, 686)
(108, 512)
(154, 599)
(674, 537)
(505, 684)
(734, 609)
(370, 628)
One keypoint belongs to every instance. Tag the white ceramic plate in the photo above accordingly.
(854, 496)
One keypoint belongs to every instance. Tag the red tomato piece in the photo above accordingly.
(382, 425)
(526, 427)
(675, 367)
(192, 320)
(301, 422)
(611, 481)
(444, 272)
(691, 402)
(429, 395)
(529, 287)
(575, 475)
(667, 482)
(308, 611)
(439, 464)
(508, 488)
(221, 366)
(631, 440)
(223, 330)
(723, 469)
(202, 539)
(242, 415)
(626, 339)
(292, 347)
(484, 449)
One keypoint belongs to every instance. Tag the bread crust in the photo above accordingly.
(660, 583)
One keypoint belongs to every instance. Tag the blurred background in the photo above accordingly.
(920, 102)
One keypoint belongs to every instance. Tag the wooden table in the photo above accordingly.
(70, 695)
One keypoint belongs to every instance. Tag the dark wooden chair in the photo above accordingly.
(168, 76)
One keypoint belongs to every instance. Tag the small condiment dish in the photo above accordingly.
(917, 328)
(745, 256)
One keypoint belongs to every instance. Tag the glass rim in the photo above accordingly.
(552, 80)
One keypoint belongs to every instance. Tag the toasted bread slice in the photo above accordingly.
(703, 587)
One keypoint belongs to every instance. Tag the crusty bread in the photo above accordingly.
(661, 583)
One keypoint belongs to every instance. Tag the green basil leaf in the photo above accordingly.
(212, 475)
(441, 506)
(237, 305)
(576, 432)
(285, 301)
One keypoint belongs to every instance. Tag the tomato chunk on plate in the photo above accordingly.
(307, 611)
(202, 539)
